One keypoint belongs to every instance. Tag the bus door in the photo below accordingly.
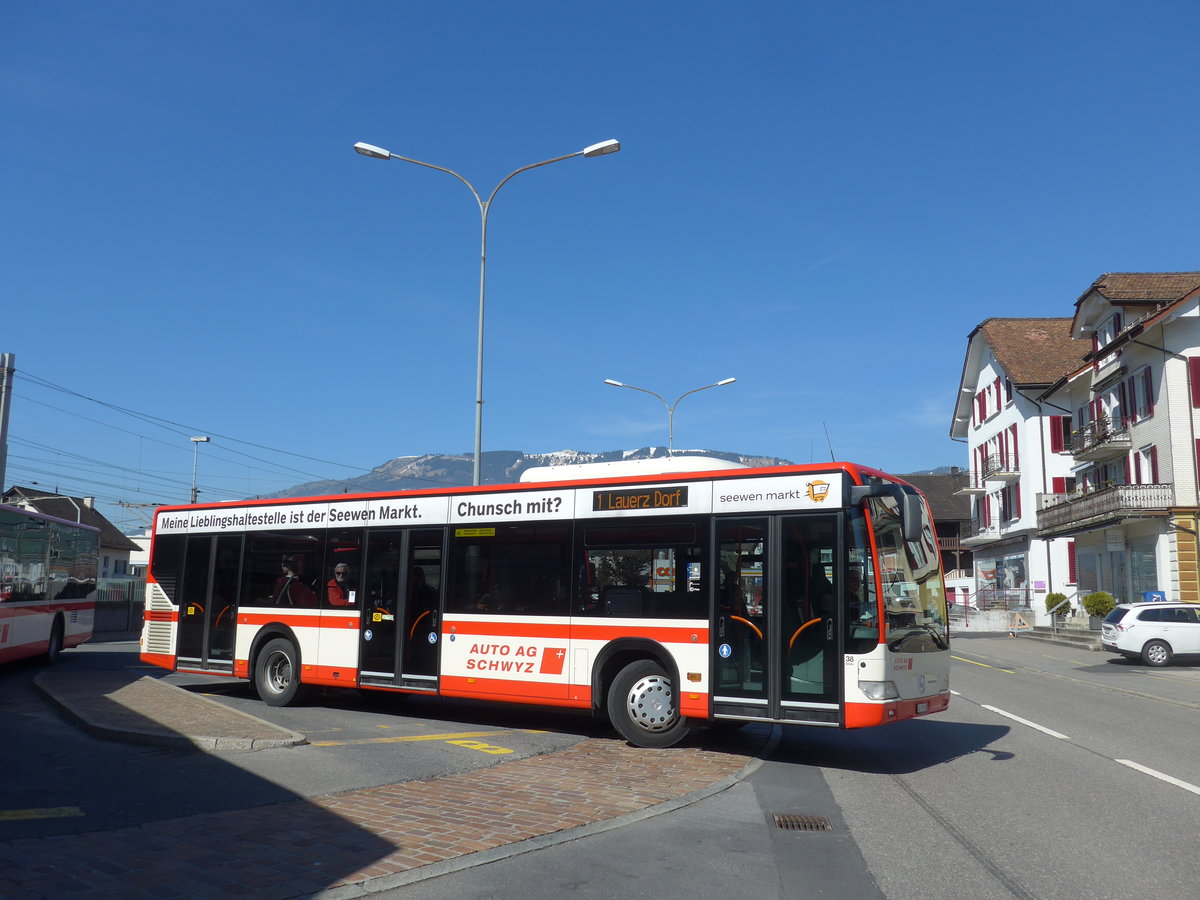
(775, 652)
(402, 609)
(207, 598)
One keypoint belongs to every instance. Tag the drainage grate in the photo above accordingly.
(802, 823)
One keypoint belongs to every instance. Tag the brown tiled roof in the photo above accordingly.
(940, 489)
(1034, 351)
(1143, 286)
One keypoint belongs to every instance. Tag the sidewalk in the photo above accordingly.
(342, 845)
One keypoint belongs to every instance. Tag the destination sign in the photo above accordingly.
(641, 498)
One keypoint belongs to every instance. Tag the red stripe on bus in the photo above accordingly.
(162, 615)
(559, 630)
(541, 693)
(309, 619)
(166, 660)
(664, 634)
(866, 715)
(334, 676)
(580, 631)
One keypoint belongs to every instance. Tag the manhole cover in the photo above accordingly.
(802, 823)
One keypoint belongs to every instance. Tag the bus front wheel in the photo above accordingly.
(277, 673)
(643, 707)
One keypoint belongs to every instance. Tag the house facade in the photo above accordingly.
(1127, 426)
(1003, 416)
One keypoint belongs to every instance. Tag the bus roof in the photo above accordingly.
(662, 465)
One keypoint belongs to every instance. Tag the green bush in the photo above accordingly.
(1099, 604)
(1052, 600)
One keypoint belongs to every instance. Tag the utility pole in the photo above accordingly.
(7, 368)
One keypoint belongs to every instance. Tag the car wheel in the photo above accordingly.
(1156, 653)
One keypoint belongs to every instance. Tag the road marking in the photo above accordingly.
(481, 747)
(1160, 776)
(410, 738)
(985, 665)
(53, 812)
(1041, 728)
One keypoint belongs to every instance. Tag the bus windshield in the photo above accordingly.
(913, 594)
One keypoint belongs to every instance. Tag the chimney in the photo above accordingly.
(89, 502)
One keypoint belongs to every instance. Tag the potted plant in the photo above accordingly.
(1052, 600)
(1098, 604)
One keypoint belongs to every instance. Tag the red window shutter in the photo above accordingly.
(1059, 485)
(1149, 386)
(1194, 378)
(1123, 402)
(1071, 563)
(1016, 458)
(1152, 453)
(1056, 434)
(1016, 493)
(1131, 391)
(1137, 468)
(1095, 347)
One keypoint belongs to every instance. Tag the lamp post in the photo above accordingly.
(196, 442)
(670, 407)
(601, 149)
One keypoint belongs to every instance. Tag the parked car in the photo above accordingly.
(1155, 632)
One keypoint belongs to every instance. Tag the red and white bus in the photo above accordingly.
(47, 584)
(655, 599)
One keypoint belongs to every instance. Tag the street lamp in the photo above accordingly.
(670, 407)
(196, 442)
(601, 149)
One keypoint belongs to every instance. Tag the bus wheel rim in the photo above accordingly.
(279, 672)
(651, 704)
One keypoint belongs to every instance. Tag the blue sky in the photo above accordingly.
(821, 200)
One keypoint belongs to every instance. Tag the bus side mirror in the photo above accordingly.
(909, 502)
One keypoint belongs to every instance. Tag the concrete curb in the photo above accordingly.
(271, 736)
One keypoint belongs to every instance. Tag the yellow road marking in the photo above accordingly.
(53, 812)
(985, 665)
(410, 738)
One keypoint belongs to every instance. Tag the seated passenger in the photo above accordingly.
(289, 589)
(337, 589)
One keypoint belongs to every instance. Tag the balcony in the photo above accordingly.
(1100, 440)
(972, 484)
(975, 534)
(998, 468)
(1060, 514)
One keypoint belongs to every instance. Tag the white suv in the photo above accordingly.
(1156, 632)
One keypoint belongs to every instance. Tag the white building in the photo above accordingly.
(1128, 422)
(1008, 425)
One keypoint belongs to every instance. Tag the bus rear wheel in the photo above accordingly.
(55, 645)
(643, 707)
(277, 673)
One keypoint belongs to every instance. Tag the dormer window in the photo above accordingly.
(1105, 335)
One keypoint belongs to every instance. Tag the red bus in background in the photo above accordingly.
(797, 595)
(47, 584)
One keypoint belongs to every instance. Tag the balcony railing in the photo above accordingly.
(1000, 468)
(1100, 440)
(971, 483)
(1060, 513)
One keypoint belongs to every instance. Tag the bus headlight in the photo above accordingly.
(879, 690)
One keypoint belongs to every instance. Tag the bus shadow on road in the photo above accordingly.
(897, 749)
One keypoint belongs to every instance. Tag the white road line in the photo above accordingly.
(1160, 776)
(1041, 728)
